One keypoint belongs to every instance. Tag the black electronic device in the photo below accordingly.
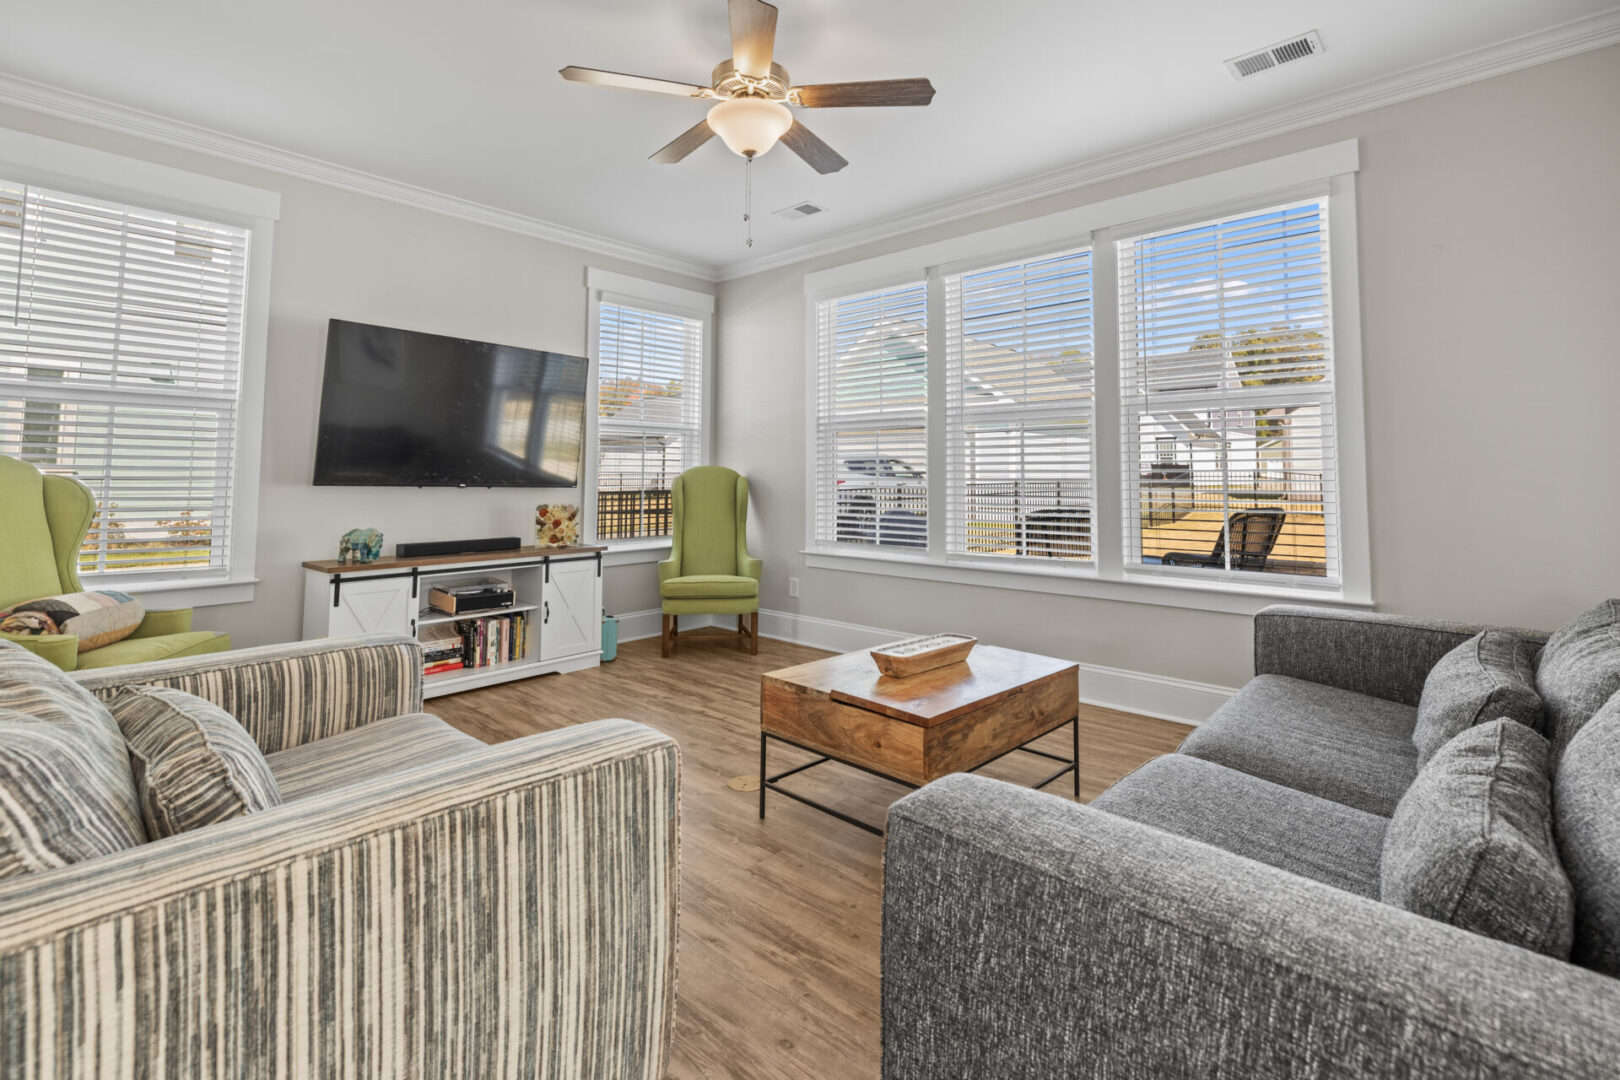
(466, 599)
(405, 409)
(456, 547)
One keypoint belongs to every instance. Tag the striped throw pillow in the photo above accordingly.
(194, 764)
(65, 788)
(59, 796)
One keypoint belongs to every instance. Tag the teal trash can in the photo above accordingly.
(610, 638)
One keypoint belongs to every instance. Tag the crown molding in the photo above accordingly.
(55, 101)
(1544, 46)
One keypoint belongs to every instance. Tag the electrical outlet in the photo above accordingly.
(793, 587)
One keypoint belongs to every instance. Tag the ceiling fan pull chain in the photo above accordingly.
(748, 197)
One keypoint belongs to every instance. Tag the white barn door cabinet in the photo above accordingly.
(558, 589)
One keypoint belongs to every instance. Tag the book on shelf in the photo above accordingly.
(441, 649)
(493, 639)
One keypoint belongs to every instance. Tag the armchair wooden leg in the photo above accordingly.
(742, 630)
(666, 638)
(753, 633)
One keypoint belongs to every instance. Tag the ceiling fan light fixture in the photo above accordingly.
(750, 125)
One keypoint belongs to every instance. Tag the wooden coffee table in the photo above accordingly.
(915, 730)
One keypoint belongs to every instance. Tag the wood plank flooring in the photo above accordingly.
(779, 928)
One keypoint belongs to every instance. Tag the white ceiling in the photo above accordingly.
(464, 99)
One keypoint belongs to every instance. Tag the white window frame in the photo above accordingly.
(1022, 414)
(1098, 225)
(82, 170)
(606, 286)
(931, 417)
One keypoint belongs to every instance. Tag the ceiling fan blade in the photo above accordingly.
(684, 143)
(817, 154)
(598, 77)
(753, 36)
(873, 92)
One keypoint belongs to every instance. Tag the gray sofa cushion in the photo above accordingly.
(399, 742)
(1471, 843)
(1340, 745)
(1579, 670)
(63, 768)
(1487, 677)
(1315, 838)
(194, 764)
(1586, 803)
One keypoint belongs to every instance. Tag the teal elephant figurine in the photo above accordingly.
(360, 546)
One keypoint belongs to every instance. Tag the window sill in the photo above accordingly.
(174, 593)
(635, 552)
(1237, 598)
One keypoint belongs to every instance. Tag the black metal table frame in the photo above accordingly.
(770, 783)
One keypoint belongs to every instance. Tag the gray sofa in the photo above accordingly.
(421, 904)
(1217, 912)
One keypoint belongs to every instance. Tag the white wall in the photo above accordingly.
(1490, 297)
(343, 255)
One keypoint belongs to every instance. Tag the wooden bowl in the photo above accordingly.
(899, 659)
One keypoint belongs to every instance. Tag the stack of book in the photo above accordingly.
(497, 639)
(442, 649)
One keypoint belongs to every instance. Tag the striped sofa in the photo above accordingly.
(421, 904)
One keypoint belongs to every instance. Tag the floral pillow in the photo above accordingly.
(98, 618)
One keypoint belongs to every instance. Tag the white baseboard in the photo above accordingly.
(829, 634)
(635, 625)
(1161, 696)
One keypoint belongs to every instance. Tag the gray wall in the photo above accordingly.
(339, 254)
(1490, 259)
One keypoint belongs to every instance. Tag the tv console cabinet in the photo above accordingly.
(559, 588)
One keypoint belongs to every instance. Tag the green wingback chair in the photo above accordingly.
(709, 570)
(43, 520)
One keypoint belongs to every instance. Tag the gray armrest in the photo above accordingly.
(507, 912)
(291, 694)
(1386, 656)
(1027, 936)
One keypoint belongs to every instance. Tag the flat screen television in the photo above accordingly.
(404, 409)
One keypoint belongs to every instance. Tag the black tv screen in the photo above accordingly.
(399, 408)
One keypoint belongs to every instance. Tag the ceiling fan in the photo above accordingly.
(752, 94)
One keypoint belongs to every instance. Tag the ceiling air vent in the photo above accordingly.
(1284, 52)
(799, 210)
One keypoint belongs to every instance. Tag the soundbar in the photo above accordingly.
(456, 547)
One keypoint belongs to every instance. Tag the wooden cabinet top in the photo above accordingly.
(332, 566)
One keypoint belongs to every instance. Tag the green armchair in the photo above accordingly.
(709, 570)
(43, 520)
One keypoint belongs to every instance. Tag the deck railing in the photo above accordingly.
(1169, 494)
(1038, 517)
(628, 515)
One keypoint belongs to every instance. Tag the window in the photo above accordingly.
(649, 415)
(1018, 363)
(871, 457)
(1226, 356)
(121, 365)
(1193, 441)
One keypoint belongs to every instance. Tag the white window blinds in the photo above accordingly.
(120, 365)
(649, 416)
(1226, 358)
(871, 468)
(1018, 439)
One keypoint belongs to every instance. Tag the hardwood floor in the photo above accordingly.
(778, 962)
